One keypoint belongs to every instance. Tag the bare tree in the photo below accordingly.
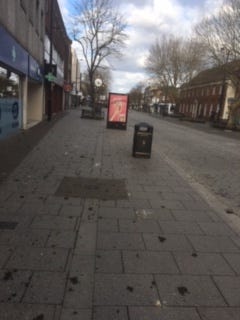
(136, 94)
(221, 33)
(99, 29)
(174, 61)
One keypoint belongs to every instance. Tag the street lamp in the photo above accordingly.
(223, 87)
(50, 63)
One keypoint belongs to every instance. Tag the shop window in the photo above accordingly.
(10, 106)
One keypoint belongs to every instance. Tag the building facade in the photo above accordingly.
(57, 53)
(21, 64)
(207, 95)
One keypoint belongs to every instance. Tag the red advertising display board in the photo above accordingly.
(117, 111)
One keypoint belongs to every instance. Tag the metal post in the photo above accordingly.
(50, 62)
(223, 89)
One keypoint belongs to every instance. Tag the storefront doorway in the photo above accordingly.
(10, 103)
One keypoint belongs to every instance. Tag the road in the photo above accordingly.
(207, 159)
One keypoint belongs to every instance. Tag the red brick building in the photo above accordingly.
(207, 95)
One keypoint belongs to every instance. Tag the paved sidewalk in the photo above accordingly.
(88, 232)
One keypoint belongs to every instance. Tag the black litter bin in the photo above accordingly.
(142, 141)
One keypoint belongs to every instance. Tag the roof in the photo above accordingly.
(215, 74)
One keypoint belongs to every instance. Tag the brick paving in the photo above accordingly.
(156, 254)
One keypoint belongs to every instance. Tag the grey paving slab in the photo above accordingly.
(181, 195)
(124, 213)
(169, 242)
(234, 261)
(86, 240)
(67, 210)
(156, 188)
(61, 239)
(161, 214)
(159, 313)
(83, 264)
(24, 237)
(34, 208)
(79, 291)
(24, 311)
(54, 222)
(192, 215)
(123, 290)
(120, 241)
(114, 313)
(213, 244)
(13, 285)
(149, 262)
(137, 195)
(195, 204)
(5, 252)
(202, 263)
(180, 227)
(140, 203)
(168, 204)
(236, 240)
(109, 261)
(188, 291)
(138, 225)
(219, 313)
(230, 289)
(76, 314)
(30, 258)
(46, 288)
(108, 225)
(22, 221)
(216, 229)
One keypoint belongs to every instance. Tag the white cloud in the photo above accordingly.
(147, 20)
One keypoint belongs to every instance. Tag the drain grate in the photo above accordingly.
(92, 188)
(8, 225)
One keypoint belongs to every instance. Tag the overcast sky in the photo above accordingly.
(147, 19)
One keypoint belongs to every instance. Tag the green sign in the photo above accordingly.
(50, 77)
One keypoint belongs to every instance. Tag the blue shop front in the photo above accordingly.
(17, 68)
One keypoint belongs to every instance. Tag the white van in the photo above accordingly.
(167, 108)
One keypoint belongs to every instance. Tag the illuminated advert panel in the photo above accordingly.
(117, 111)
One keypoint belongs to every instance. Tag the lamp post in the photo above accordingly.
(223, 86)
(49, 108)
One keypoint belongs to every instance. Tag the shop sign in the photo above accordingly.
(11, 53)
(67, 87)
(35, 71)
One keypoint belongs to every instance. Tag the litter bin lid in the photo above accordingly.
(143, 126)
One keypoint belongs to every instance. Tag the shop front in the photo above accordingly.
(21, 88)
(10, 103)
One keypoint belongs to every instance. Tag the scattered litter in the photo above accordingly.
(74, 280)
(143, 213)
(229, 211)
(97, 164)
(162, 239)
(130, 288)
(183, 291)
(8, 276)
(158, 303)
(39, 317)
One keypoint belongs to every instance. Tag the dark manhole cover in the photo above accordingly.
(8, 225)
(92, 188)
